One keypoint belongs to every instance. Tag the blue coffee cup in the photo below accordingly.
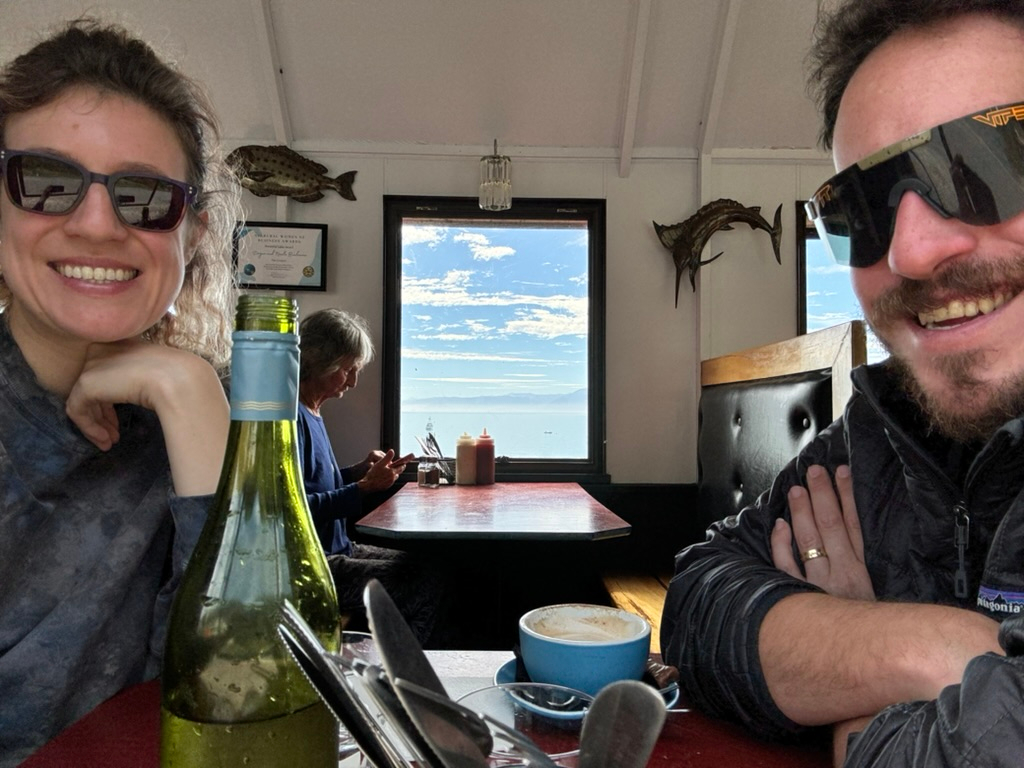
(583, 646)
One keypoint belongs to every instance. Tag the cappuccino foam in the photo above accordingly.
(596, 628)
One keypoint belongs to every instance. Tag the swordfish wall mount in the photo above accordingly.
(686, 240)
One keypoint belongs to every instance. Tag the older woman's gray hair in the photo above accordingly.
(330, 337)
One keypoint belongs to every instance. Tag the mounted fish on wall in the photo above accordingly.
(687, 239)
(279, 170)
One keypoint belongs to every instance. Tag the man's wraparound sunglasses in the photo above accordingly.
(54, 186)
(970, 169)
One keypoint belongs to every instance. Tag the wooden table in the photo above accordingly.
(502, 511)
(124, 732)
(510, 547)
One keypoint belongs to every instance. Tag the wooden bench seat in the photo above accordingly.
(642, 594)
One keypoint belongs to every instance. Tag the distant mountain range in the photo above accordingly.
(525, 402)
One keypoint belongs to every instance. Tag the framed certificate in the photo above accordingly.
(281, 257)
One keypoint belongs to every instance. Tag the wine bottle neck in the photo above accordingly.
(263, 443)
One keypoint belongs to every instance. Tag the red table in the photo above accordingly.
(124, 732)
(502, 511)
(483, 533)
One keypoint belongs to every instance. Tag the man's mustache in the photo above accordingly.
(964, 278)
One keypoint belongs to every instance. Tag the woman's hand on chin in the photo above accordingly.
(180, 387)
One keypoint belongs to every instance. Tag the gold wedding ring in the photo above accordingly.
(812, 553)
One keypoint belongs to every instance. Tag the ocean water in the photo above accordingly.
(517, 434)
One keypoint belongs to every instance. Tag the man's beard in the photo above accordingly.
(966, 408)
(969, 410)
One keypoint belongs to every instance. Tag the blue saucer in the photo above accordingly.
(507, 674)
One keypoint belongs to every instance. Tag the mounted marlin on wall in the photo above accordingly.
(687, 239)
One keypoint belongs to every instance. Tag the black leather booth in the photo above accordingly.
(749, 430)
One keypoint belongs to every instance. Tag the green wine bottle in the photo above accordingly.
(231, 695)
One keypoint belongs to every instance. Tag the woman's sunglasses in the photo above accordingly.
(970, 169)
(54, 186)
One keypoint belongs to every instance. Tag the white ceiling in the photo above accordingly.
(622, 79)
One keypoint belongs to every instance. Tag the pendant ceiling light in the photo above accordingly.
(495, 181)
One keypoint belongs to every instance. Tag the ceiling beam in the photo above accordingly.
(635, 84)
(272, 70)
(729, 19)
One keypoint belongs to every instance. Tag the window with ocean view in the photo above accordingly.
(498, 319)
(825, 294)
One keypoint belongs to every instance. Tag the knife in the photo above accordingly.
(335, 691)
(384, 696)
(403, 658)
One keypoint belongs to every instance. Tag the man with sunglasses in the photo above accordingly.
(879, 574)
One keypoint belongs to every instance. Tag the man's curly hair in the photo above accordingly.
(845, 36)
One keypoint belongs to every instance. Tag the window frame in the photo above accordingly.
(402, 207)
(805, 229)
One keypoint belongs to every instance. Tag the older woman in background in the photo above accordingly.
(335, 347)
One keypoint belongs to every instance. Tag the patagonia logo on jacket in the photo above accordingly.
(1001, 601)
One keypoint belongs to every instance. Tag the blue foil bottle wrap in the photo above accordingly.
(255, 395)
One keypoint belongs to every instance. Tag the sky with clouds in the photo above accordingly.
(493, 311)
(830, 296)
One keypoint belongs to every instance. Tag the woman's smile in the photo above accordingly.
(85, 276)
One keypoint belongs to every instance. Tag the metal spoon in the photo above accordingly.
(622, 726)
(433, 712)
(446, 730)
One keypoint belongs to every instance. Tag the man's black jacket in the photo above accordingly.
(912, 491)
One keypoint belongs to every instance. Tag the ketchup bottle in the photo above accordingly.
(484, 459)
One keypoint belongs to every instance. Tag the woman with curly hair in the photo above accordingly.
(115, 316)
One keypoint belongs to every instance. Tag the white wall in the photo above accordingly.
(747, 298)
(653, 348)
